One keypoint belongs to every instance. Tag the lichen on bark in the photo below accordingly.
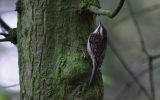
(53, 62)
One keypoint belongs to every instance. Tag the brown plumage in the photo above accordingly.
(96, 47)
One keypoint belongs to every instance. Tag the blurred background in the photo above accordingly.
(131, 68)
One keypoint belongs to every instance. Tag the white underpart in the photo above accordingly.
(101, 31)
(89, 49)
(96, 30)
(92, 57)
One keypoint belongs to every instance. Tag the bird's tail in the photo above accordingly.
(94, 72)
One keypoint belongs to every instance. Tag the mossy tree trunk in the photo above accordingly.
(53, 62)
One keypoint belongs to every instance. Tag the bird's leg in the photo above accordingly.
(4, 39)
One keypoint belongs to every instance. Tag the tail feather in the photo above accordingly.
(94, 72)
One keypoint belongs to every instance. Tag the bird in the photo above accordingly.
(96, 47)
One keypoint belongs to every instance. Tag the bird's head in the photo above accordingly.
(100, 30)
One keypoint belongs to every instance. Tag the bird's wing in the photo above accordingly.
(97, 47)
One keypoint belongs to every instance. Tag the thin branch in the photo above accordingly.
(149, 58)
(4, 25)
(130, 83)
(151, 76)
(3, 34)
(107, 13)
(99, 11)
(122, 91)
(139, 13)
(155, 57)
(10, 86)
(4, 40)
(11, 36)
(128, 70)
(116, 11)
(144, 72)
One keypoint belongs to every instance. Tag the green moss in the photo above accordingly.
(74, 66)
(86, 3)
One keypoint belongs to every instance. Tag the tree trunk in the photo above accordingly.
(53, 62)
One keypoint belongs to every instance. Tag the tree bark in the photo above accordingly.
(53, 62)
